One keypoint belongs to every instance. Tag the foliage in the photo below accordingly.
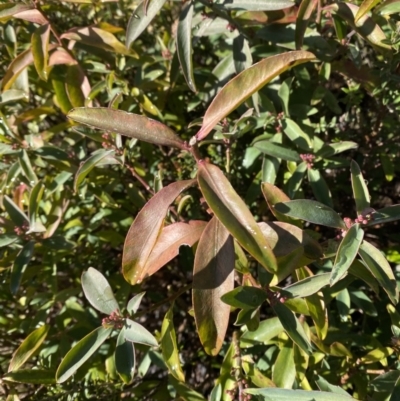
(203, 174)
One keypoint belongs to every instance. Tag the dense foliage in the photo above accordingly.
(206, 211)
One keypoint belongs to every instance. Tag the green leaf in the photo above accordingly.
(336, 148)
(31, 376)
(136, 333)
(273, 149)
(388, 166)
(254, 5)
(184, 391)
(385, 215)
(20, 264)
(128, 124)
(124, 358)
(312, 211)
(234, 214)
(81, 352)
(296, 179)
(35, 225)
(284, 372)
(145, 230)
(267, 330)
(213, 276)
(278, 394)
(323, 385)
(8, 239)
(18, 64)
(240, 88)
(388, 7)
(26, 167)
(284, 93)
(28, 347)
(360, 190)
(365, 6)
(347, 252)
(380, 268)
(88, 165)
(40, 50)
(395, 396)
(18, 217)
(141, 18)
(270, 168)
(98, 292)
(292, 326)
(303, 18)
(296, 134)
(170, 348)
(184, 43)
(319, 187)
(134, 303)
(307, 286)
(75, 85)
(245, 297)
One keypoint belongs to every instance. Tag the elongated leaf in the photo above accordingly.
(141, 18)
(307, 286)
(267, 330)
(98, 292)
(388, 7)
(136, 333)
(28, 347)
(234, 214)
(319, 187)
(18, 64)
(380, 268)
(170, 348)
(184, 43)
(360, 190)
(170, 239)
(88, 165)
(385, 215)
(40, 50)
(303, 18)
(278, 394)
(8, 239)
(292, 326)
(124, 358)
(35, 197)
(213, 276)
(18, 217)
(7, 10)
(145, 230)
(276, 150)
(128, 124)
(296, 179)
(324, 385)
(134, 303)
(365, 6)
(184, 391)
(31, 376)
(347, 252)
(245, 84)
(81, 352)
(284, 372)
(27, 168)
(254, 5)
(20, 264)
(296, 134)
(336, 148)
(245, 297)
(312, 211)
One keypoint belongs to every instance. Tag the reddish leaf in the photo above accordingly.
(169, 241)
(8, 10)
(61, 56)
(145, 230)
(17, 65)
(213, 276)
(34, 16)
(303, 18)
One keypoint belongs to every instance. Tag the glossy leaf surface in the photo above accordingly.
(303, 18)
(267, 330)
(136, 333)
(284, 372)
(31, 376)
(365, 6)
(124, 358)
(255, 5)
(276, 150)
(307, 286)
(360, 190)
(40, 50)
(245, 297)
(277, 394)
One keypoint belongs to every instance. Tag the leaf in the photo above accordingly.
(273, 149)
(128, 124)
(170, 240)
(245, 297)
(40, 50)
(284, 94)
(141, 18)
(184, 43)
(81, 352)
(27, 168)
(385, 215)
(380, 268)
(35, 225)
(319, 187)
(31, 376)
(284, 372)
(267, 330)
(88, 165)
(98, 292)
(170, 348)
(134, 303)
(124, 358)
(234, 214)
(7, 10)
(184, 391)
(240, 88)
(365, 6)
(278, 394)
(360, 190)
(323, 385)
(292, 326)
(388, 7)
(296, 134)
(395, 396)
(307, 286)
(136, 333)
(254, 5)
(7, 239)
(312, 211)
(347, 252)
(303, 18)
(20, 264)
(213, 276)
(18, 64)
(18, 217)
(336, 148)
(296, 179)
(28, 347)
(145, 230)
(387, 166)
